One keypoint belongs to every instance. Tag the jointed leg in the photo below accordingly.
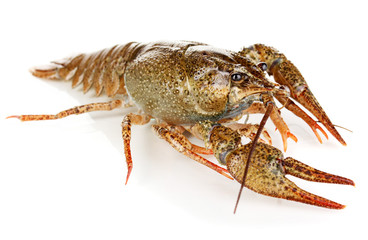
(249, 131)
(291, 106)
(102, 106)
(276, 118)
(128, 120)
(182, 144)
(179, 130)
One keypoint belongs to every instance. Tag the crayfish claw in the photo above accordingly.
(287, 74)
(292, 192)
(267, 170)
(307, 99)
(285, 136)
(291, 106)
(303, 171)
(316, 127)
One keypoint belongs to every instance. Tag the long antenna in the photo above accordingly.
(261, 126)
(339, 127)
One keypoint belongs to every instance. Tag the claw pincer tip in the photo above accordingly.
(266, 175)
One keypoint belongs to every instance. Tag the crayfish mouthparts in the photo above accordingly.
(267, 170)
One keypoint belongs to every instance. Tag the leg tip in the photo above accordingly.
(128, 175)
(13, 116)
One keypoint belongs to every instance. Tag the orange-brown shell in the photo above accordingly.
(178, 82)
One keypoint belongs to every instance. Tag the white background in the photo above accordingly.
(64, 179)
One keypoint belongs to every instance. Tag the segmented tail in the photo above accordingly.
(103, 69)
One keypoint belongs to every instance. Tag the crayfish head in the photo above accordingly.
(248, 82)
(223, 83)
(246, 89)
(245, 83)
(267, 170)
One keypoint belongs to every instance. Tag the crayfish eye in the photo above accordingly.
(262, 66)
(236, 77)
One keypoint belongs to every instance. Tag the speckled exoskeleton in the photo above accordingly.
(267, 167)
(182, 83)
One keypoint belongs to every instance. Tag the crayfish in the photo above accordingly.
(191, 86)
